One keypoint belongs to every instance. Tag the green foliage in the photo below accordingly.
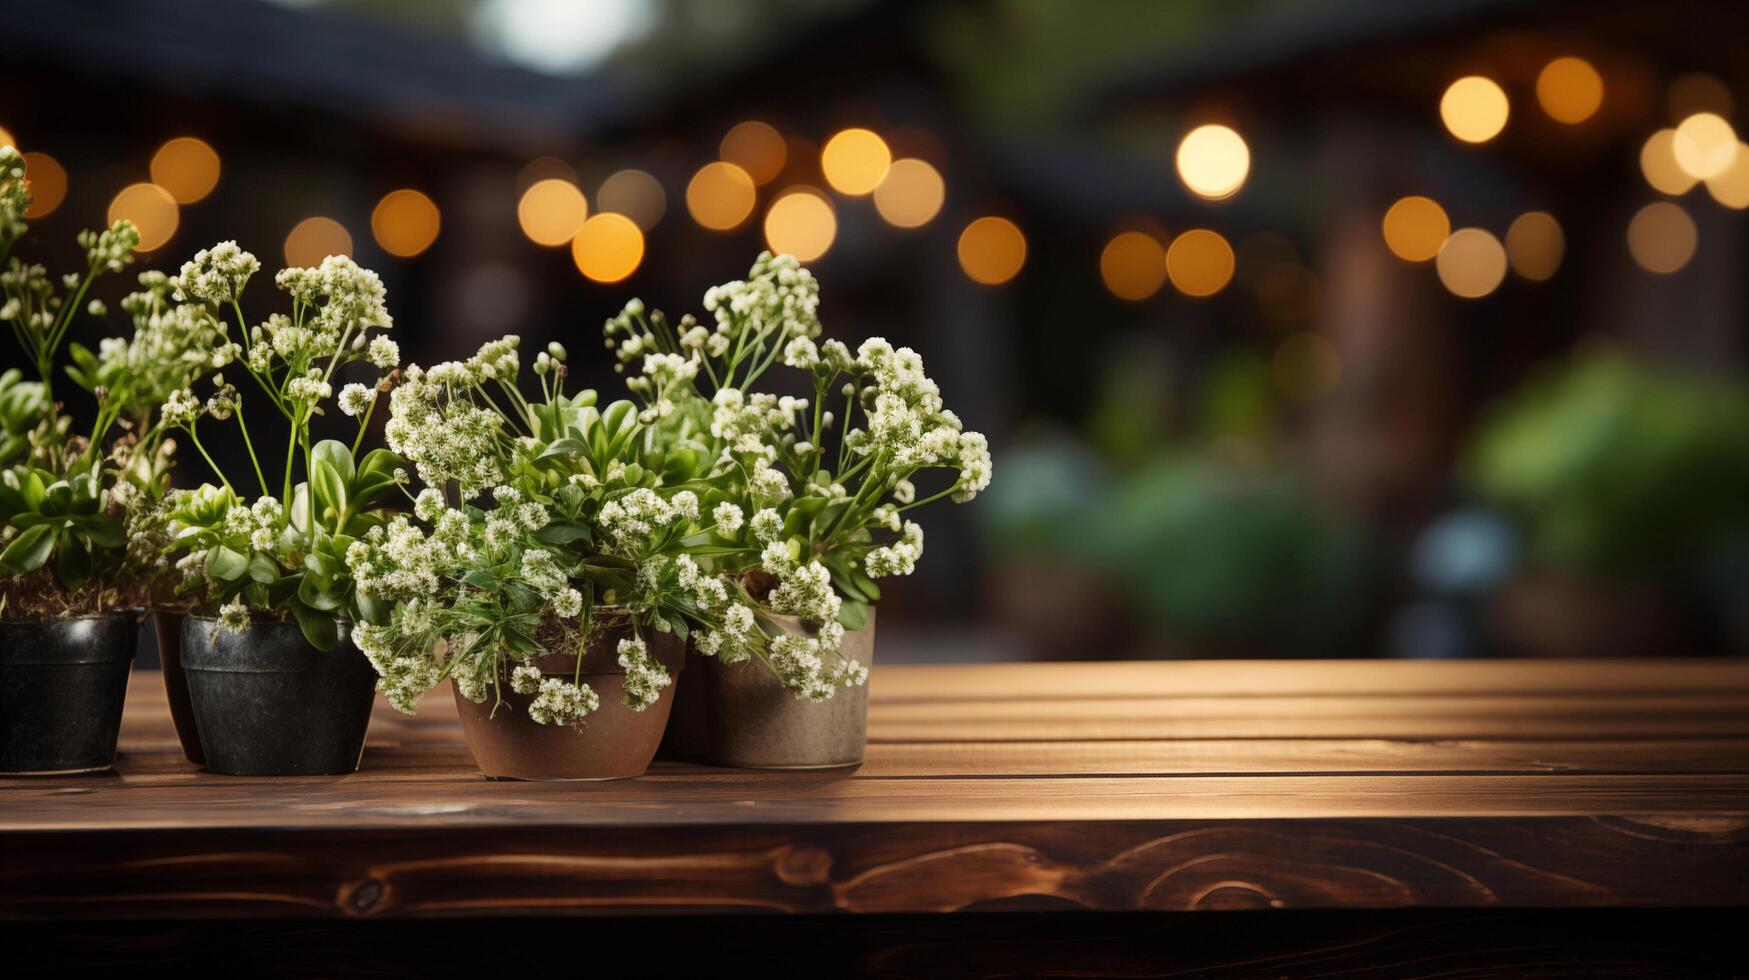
(1615, 468)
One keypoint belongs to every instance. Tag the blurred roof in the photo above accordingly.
(271, 54)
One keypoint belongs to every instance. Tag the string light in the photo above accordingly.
(1471, 263)
(911, 195)
(551, 211)
(1199, 263)
(992, 250)
(6, 138)
(1662, 237)
(635, 194)
(720, 196)
(48, 184)
(1570, 90)
(1705, 145)
(1535, 245)
(1474, 109)
(1213, 161)
(1133, 265)
(314, 239)
(1658, 164)
(405, 222)
(855, 161)
(1730, 188)
(1697, 92)
(186, 167)
(152, 210)
(608, 248)
(801, 223)
(756, 147)
(1415, 227)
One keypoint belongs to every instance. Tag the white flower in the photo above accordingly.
(767, 525)
(216, 275)
(356, 399)
(568, 604)
(728, 517)
(800, 352)
(644, 677)
(525, 679)
(384, 353)
(234, 616)
(182, 409)
(562, 702)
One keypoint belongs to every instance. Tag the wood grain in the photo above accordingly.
(1177, 786)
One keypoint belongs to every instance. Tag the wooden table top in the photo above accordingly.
(1180, 785)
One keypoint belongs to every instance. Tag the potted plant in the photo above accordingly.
(67, 501)
(808, 505)
(544, 571)
(275, 683)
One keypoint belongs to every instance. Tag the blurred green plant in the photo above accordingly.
(1617, 469)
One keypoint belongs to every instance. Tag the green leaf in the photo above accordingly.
(564, 447)
(225, 564)
(72, 561)
(562, 532)
(369, 609)
(262, 569)
(29, 550)
(853, 615)
(314, 592)
(336, 454)
(318, 627)
(104, 531)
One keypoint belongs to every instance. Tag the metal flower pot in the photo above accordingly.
(167, 627)
(266, 703)
(755, 723)
(62, 686)
(612, 742)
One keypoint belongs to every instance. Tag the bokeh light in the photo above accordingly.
(1474, 109)
(608, 248)
(1569, 89)
(48, 184)
(1199, 262)
(1471, 263)
(1535, 245)
(992, 250)
(6, 138)
(544, 168)
(1306, 364)
(314, 239)
(855, 161)
(756, 147)
(405, 222)
(1704, 145)
(1658, 164)
(911, 195)
(152, 210)
(635, 194)
(1133, 265)
(1415, 227)
(801, 222)
(551, 211)
(1213, 161)
(1698, 92)
(1730, 188)
(186, 167)
(1662, 237)
(720, 196)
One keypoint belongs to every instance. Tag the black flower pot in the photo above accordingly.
(266, 703)
(62, 686)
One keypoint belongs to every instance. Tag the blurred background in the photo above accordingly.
(1300, 328)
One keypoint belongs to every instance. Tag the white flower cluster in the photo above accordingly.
(634, 519)
(215, 275)
(349, 297)
(402, 676)
(900, 557)
(644, 677)
(397, 560)
(908, 424)
(779, 296)
(446, 438)
(355, 399)
(560, 702)
(749, 423)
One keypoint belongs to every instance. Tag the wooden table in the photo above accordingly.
(1134, 786)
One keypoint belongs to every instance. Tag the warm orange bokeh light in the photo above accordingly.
(1535, 245)
(911, 195)
(1662, 237)
(855, 161)
(720, 196)
(151, 209)
(1415, 227)
(6, 137)
(314, 239)
(756, 147)
(1730, 188)
(801, 223)
(1213, 161)
(405, 222)
(608, 248)
(1472, 263)
(1199, 262)
(186, 167)
(551, 211)
(47, 180)
(1474, 109)
(992, 250)
(1705, 145)
(1133, 265)
(635, 194)
(1570, 90)
(1658, 164)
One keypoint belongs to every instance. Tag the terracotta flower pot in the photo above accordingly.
(167, 627)
(612, 742)
(62, 686)
(753, 722)
(266, 703)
